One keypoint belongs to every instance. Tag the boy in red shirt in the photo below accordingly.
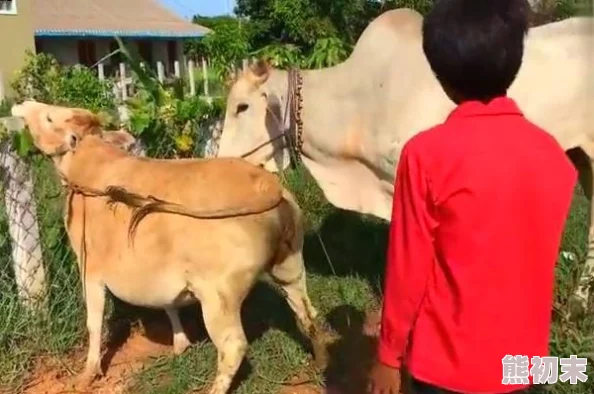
(480, 203)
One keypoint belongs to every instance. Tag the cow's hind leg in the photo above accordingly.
(222, 319)
(291, 276)
(584, 165)
(180, 339)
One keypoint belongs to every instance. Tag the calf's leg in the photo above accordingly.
(180, 339)
(291, 276)
(95, 303)
(223, 322)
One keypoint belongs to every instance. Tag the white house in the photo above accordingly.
(82, 31)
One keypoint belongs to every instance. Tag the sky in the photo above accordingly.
(189, 8)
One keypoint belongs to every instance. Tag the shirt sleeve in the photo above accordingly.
(410, 257)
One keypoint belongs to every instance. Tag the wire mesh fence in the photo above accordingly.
(41, 308)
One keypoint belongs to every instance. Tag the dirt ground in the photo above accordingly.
(128, 351)
(53, 377)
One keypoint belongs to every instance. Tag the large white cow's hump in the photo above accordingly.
(577, 25)
(386, 33)
(555, 87)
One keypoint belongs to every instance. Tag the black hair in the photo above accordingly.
(475, 47)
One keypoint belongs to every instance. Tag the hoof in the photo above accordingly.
(320, 354)
(85, 380)
(373, 324)
(577, 307)
(219, 387)
(180, 346)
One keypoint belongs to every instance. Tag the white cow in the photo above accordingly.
(349, 122)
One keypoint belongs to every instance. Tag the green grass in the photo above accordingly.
(344, 281)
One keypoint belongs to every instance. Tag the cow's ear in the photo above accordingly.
(259, 72)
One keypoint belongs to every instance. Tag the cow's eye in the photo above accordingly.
(241, 108)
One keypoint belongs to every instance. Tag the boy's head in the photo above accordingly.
(475, 47)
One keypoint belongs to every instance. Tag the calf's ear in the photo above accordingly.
(120, 138)
(86, 120)
(71, 141)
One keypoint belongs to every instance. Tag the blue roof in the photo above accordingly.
(118, 33)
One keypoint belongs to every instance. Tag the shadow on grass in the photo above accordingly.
(352, 355)
(348, 244)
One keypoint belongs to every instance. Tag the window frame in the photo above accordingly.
(12, 10)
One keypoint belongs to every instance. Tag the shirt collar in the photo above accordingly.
(498, 106)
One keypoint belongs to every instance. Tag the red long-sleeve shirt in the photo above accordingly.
(480, 203)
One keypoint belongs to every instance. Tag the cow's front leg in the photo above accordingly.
(579, 302)
(582, 159)
(95, 303)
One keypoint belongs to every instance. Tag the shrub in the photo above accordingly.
(171, 127)
(5, 106)
(163, 118)
(43, 79)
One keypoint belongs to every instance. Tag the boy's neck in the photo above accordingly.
(460, 99)
(484, 100)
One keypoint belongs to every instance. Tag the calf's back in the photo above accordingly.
(173, 257)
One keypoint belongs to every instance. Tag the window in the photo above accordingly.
(145, 50)
(171, 55)
(38, 46)
(8, 7)
(86, 53)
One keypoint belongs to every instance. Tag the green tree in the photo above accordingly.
(281, 55)
(328, 52)
(323, 31)
(303, 22)
(228, 41)
(298, 22)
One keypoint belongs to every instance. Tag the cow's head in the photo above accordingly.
(57, 130)
(253, 118)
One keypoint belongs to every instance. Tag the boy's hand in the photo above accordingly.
(384, 380)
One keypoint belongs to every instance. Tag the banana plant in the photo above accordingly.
(165, 120)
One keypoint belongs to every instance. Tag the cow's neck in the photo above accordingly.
(334, 140)
(63, 165)
(325, 96)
